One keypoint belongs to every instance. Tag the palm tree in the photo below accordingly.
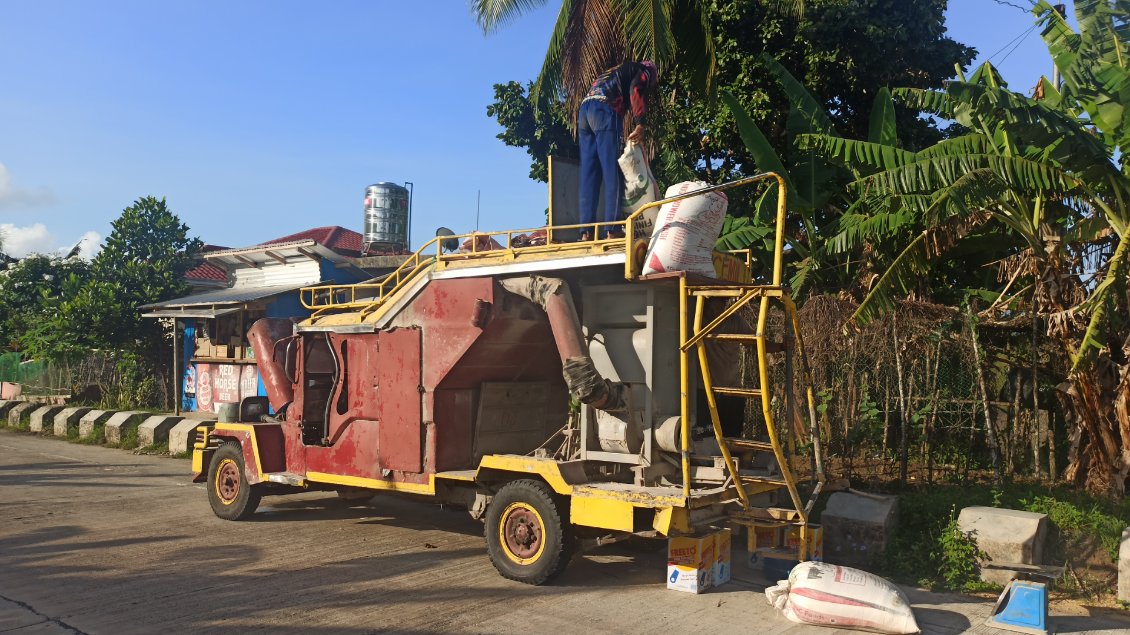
(591, 36)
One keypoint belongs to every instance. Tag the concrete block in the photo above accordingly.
(42, 417)
(6, 405)
(857, 527)
(120, 423)
(68, 419)
(1124, 567)
(17, 412)
(1006, 536)
(183, 435)
(155, 429)
(90, 420)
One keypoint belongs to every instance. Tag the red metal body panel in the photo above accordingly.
(357, 395)
(473, 332)
(398, 397)
(270, 443)
(408, 398)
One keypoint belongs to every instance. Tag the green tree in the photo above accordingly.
(1033, 191)
(29, 288)
(844, 52)
(590, 36)
(143, 261)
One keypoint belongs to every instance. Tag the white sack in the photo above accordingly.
(840, 597)
(685, 232)
(640, 188)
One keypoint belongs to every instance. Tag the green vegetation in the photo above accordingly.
(81, 322)
(929, 550)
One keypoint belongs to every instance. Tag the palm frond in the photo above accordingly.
(492, 14)
(592, 42)
(547, 86)
(647, 29)
(694, 36)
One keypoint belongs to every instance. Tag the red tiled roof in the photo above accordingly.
(206, 270)
(336, 238)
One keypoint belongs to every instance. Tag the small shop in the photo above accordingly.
(213, 350)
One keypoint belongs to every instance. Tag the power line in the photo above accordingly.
(1013, 41)
(1006, 3)
(1013, 50)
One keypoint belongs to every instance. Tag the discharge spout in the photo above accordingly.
(264, 334)
(581, 376)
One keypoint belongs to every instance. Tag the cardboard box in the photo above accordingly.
(776, 563)
(723, 539)
(767, 537)
(690, 562)
(815, 549)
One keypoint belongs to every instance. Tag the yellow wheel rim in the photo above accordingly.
(521, 533)
(227, 481)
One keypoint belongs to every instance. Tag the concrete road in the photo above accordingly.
(94, 540)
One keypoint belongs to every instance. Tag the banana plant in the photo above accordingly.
(815, 184)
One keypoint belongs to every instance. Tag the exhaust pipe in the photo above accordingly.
(581, 376)
(264, 334)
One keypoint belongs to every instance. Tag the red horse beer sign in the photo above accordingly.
(224, 383)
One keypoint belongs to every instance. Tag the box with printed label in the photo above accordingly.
(690, 562)
(815, 549)
(775, 563)
(722, 541)
(766, 537)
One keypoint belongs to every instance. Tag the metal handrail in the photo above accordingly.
(345, 296)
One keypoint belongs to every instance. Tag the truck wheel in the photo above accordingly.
(527, 538)
(231, 496)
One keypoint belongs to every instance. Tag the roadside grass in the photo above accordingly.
(97, 436)
(154, 448)
(187, 454)
(928, 549)
(129, 440)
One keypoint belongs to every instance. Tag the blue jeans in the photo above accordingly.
(598, 130)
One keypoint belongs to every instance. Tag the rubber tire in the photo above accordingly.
(558, 536)
(247, 497)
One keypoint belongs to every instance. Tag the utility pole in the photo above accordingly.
(1057, 81)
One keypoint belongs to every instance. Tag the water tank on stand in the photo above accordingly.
(387, 214)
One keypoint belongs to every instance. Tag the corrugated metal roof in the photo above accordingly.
(236, 295)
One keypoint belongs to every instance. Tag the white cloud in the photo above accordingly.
(12, 197)
(37, 239)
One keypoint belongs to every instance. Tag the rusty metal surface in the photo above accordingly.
(398, 380)
(263, 335)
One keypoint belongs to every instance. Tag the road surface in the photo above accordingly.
(95, 540)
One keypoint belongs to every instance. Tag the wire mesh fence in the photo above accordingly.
(110, 379)
(923, 394)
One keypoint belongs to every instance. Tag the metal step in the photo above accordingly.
(747, 444)
(749, 393)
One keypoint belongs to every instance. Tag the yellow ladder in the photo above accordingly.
(740, 296)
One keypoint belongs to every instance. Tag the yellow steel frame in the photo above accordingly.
(498, 248)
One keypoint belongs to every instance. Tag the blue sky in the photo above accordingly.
(257, 119)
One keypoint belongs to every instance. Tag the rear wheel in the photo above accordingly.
(231, 496)
(528, 539)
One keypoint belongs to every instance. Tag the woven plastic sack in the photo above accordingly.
(640, 188)
(841, 597)
(685, 232)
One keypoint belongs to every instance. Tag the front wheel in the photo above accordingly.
(231, 496)
(527, 538)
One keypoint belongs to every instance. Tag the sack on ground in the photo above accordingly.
(840, 597)
(685, 232)
(640, 188)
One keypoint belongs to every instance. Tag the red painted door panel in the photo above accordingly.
(397, 371)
